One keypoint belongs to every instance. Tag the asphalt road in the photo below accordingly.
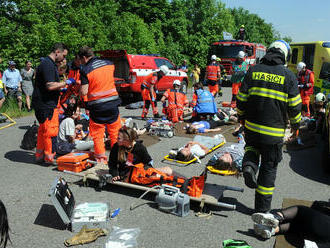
(35, 223)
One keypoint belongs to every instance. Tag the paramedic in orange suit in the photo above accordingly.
(45, 100)
(213, 75)
(97, 83)
(306, 86)
(148, 91)
(176, 102)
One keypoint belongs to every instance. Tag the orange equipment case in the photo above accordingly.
(75, 161)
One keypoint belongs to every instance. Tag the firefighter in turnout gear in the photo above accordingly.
(176, 102)
(148, 91)
(268, 94)
(97, 82)
(212, 75)
(306, 86)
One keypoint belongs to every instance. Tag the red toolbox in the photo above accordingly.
(75, 161)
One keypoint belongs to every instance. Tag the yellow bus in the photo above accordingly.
(316, 56)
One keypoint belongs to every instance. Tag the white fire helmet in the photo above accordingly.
(241, 55)
(164, 69)
(300, 66)
(177, 82)
(213, 57)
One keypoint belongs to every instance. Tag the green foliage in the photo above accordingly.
(177, 29)
(10, 107)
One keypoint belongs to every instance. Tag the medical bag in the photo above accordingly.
(91, 214)
(74, 161)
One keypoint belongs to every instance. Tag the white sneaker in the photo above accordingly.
(265, 219)
(264, 231)
(309, 244)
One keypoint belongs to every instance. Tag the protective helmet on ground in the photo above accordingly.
(300, 66)
(241, 55)
(320, 97)
(283, 46)
(164, 69)
(177, 82)
(213, 57)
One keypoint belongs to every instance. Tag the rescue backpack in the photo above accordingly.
(29, 140)
(151, 177)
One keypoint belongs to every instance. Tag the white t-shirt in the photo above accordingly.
(67, 128)
(197, 150)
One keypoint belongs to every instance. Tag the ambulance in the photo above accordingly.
(316, 56)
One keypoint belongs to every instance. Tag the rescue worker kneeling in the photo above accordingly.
(203, 103)
(130, 161)
(176, 102)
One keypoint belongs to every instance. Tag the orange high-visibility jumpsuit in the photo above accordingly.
(306, 83)
(176, 102)
(102, 102)
(213, 76)
(148, 94)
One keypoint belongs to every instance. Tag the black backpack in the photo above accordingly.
(29, 140)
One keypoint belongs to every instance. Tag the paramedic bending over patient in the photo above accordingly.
(128, 152)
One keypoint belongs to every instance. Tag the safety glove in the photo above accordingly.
(70, 81)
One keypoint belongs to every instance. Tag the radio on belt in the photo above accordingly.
(171, 200)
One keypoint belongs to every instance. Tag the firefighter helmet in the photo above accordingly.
(300, 66)
(213, 57)
(177, 82)
(164, 69)
(320, 97)
(241, 55)
(283, 46)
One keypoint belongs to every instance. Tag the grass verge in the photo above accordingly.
(10, 107)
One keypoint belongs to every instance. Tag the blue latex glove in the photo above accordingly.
(164, 105)
(153, 99)
(70, 81)
(85, 116)
(64, 90)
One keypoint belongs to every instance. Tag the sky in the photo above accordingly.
(303, 21)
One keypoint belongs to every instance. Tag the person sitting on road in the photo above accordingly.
(4, 226)
(71, 137)
(312, 224)
(176, 102)
(127, 152)
(203, 102)
(130, 162)
(199, 147)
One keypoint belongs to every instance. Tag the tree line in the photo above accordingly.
(176, 29)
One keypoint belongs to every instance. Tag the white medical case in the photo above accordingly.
(91, 214)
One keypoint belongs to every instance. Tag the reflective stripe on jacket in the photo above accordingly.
(100, 76)
(307, 79)
(268, 94)
(212, 72)
(176, 98)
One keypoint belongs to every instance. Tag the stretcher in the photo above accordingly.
(211, 194)
(221, 172)
(168, 158)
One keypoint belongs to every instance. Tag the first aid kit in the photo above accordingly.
(74, 161)
(91, 214)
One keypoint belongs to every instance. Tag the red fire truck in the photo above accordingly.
(227, 51)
